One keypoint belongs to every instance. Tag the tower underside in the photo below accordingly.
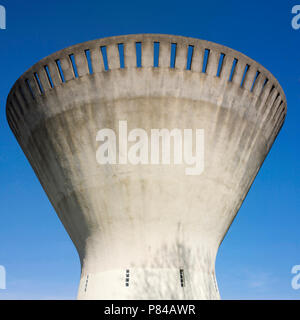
(146, 231)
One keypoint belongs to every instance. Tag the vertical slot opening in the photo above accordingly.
(271, 91)
(173, 55)
(46, 68)
(274, 103)
(205, 60)
(182, 280)
(265, 82)
(71, 56)
(104, 56)
(156, 55)
(121, 54)
(29, 88)
(86, 283)
(244, 76)
(255, 78)
(61, 74)
(89, 60)
(37, 79)
(138, 48)
(189, 57)
(233, 69)
(221, 59)
(127, 278)
(280, 106)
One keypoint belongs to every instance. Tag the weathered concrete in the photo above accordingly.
(151, 220)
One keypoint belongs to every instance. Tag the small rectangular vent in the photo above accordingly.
(138, 47)
(61, 74)
(220, 65)
(254, 81)
(37, 79)
(72, 59)
(182, 279)
(156, 55)
(121, 54)
(29, 88)
(235, 61)
(127, 278)
(86, 283)
(205, 60)
(244, 75)
(173, 55)
(104, 57)
(48, 76)
(89, 61)
(189, 57)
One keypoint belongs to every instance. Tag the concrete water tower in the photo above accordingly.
(144, 230)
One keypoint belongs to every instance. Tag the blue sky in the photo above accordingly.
(263, 243)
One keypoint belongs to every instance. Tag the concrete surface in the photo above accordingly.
(146, 222)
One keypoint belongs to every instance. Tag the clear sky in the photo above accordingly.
(263, 243)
